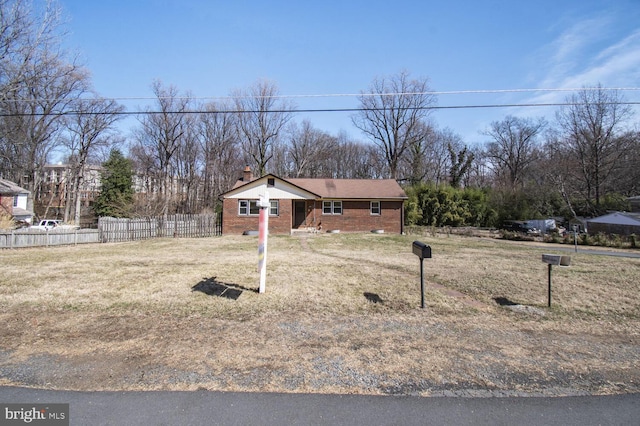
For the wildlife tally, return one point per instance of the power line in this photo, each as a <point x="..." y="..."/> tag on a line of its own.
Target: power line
<point x="364" y="94"/>
<point x="345" y="95"/>
<point x="310" y="110"/>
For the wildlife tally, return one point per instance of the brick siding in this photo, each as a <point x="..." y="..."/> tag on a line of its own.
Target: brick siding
<point x="6" y="204"/>
<point x="233" y="223"/>
<point x="356" y="217"/>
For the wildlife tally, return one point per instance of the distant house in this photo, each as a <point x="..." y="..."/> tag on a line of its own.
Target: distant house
<point x="56" y="182"/>
<point x="315" y="205"/>
<point x="620" y="223"/>
<point x="14" y="201"/>
<point x="635" y="203"/>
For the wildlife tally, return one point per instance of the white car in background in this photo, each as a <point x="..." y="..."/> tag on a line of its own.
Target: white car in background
<point x="47" y="225"/>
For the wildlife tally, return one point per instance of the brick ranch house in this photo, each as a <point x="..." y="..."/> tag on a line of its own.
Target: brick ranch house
<point x="322" y="205"/>
<point x="14" y="201"/>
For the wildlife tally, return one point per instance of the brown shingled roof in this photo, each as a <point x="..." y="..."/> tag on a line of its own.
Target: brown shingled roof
<point x="352" y="188"/>
<point x="9" y="188"/>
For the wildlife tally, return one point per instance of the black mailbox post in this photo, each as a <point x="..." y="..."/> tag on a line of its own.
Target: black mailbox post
<point x="423" y="251"/>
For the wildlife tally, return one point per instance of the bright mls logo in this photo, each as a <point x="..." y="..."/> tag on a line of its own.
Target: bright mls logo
<point x="35" y="414"/>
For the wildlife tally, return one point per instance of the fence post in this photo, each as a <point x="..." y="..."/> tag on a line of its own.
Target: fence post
<point x="175" y="226"/>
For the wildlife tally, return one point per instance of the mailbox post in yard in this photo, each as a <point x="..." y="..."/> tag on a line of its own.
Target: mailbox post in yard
<point x="554" y="259"/>
<point x="423" y="251"/>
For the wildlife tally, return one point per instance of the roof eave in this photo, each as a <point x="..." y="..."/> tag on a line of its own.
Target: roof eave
<point x="270" y="175"/>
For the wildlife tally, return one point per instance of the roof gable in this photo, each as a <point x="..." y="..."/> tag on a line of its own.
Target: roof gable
<point x="281" y="189"/>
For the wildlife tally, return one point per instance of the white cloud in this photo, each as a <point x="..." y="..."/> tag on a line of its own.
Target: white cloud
<point x="617" y="65"/>
<point x="589" y="53"/>
<point x="566" y="48"/>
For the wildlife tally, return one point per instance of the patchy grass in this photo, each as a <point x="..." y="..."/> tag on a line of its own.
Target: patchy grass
<point x="341" y="314"/>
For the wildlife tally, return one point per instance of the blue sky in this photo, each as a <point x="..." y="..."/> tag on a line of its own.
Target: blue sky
<point x="210" y="48"/>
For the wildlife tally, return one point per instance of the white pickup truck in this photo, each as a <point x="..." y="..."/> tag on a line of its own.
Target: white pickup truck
<point x="47" y="224"/>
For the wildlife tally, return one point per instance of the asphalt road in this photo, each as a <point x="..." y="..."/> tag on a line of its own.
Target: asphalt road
<point x="230" y="408"/>
<point x="603" y="252"/>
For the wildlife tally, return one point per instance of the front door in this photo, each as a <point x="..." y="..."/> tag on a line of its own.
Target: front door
<point x="299" y="213"/>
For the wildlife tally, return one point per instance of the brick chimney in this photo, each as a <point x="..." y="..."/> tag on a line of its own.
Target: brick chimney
<point x="246" y="174"/>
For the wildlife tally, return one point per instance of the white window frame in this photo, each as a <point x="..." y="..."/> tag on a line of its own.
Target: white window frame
<point x="250" y="208"/>
<point x="274" y="209"/>
<point x="335" y="207"/>
<point x="378" y="208"/>
<point x="243" y="207"/>
<point x="332" y="207"/>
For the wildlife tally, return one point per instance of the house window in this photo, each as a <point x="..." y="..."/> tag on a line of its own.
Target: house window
<point x="15" y="201"/>
<point x="332" y="207"/>
<point x="274" y="210"/>
<point x="243" y="207"/>
<point x="250" y="208"/>
<point x="253" y="207"/>
<point x="337" y="207"/>
<point x="271" y="182"/>
<point x="375" y="207"/>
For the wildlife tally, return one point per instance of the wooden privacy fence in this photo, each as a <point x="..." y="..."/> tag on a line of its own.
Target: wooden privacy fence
<point x="116" y="230"/>
<point x="178" y="225"/>
<point x="38" y="238"/>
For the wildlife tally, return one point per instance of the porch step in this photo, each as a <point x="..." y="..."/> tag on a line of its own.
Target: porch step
<point x="304" y="230"/>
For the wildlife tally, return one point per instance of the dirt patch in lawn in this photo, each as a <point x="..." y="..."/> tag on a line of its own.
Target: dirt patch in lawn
<point x="341" y="315"/>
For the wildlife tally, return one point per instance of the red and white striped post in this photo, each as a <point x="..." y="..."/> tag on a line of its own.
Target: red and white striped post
<point x="263" y="232"/>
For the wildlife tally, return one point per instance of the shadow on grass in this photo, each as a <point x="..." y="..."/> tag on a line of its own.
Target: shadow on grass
<point x="212" y="287"/>
<point x="373" y="297"/>
<point x="503" y="301"/>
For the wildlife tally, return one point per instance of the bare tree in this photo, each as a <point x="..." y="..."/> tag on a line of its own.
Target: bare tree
<point x="148" y="201"/>
<point x="592" y="130"/>
<point x="308" y="149"/>
<point x="89" y="129"/>
<point x="188" y="165"/>
<point x="280" y="164"/>
<point x="261" y="118"/>
<point x="479" y="173"/>
<point x="23" y="38"/>
<point x="553" y="154"/>
<point x="356" y="160"/>
<point x="627" y="173"/>
<point x="38" y="84"/>
<point x="438" y="160"/>
<point x="393" y="115"/>
<point x="160" y="138"/>
<point x="219" y="144"/>
<point x="513" y="147"/>
<point x="415" y="165"/>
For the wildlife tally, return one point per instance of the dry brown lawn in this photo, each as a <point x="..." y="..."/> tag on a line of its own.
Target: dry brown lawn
<point x="341" y="314"/>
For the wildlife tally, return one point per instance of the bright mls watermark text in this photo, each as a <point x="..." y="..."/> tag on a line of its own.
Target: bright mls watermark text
<point x="34" y="414"/>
